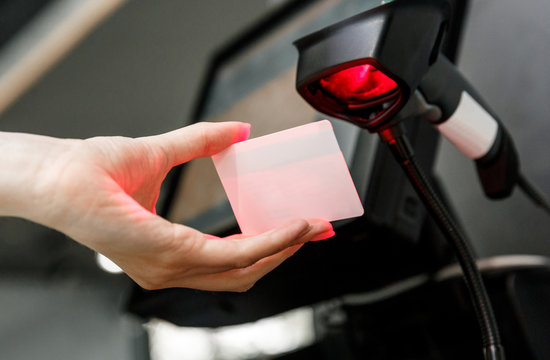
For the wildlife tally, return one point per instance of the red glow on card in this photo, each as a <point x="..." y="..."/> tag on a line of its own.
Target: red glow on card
<point x="358" y="84"/>
<point x="299" y="173"/>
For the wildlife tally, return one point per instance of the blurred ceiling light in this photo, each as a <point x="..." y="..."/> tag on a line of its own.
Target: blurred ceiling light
<point x="271" y="336"/>
<point x="107" y="265"/>
<point x="45" y="40"/>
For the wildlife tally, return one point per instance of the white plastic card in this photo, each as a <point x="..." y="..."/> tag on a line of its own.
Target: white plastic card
<point x="295" y="173"/>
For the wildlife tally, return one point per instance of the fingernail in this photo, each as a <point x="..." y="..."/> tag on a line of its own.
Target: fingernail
<point x="323" y="236"/>
<point x="244" y="132"/>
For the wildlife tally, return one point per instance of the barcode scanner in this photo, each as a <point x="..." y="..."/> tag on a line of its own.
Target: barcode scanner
<point x="383" y="66"/>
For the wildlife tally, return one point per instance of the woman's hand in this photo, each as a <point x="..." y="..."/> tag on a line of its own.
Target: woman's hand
<point x="102" y="192"/>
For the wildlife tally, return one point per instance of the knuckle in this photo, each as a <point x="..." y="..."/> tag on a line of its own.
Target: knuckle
<point x="203" y="143"/>
<point x="155" y="279"/>
<point x="184" y="242"/>
<point x="244" y="287"/>
<point x="243" y="261"/>
<point x="147" y="284"/>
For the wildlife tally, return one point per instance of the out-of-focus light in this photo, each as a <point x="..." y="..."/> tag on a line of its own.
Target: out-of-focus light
<point x="267" y="337"/>
<point x="107" y="265"/>
<point x="170" y="342"/>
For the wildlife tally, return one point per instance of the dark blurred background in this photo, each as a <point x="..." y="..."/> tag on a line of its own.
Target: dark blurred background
<point x="138" y="72"/>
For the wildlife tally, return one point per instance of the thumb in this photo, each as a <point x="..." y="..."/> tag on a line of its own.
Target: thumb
<point x="200" y="139"/>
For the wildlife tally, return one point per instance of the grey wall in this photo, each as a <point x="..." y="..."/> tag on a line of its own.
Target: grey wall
<point x="504" y="54"/>
<point x="136" y="74"/>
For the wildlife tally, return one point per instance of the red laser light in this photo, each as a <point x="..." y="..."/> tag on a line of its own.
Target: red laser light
<point x="358" y="84"/>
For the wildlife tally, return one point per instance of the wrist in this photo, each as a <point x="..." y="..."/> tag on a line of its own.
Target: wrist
<point x="26" y="176"/>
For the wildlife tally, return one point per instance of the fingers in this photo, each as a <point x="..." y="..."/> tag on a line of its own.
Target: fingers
<point x="200" y="139"/>
<point x="240" y="280"/>
<point x="243" y="252"/>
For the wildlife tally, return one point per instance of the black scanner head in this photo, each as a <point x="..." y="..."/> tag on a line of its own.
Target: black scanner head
<point x="364" y="69"/>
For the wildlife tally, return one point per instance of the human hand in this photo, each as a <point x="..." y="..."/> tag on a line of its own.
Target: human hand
<point x="102" y="193"/>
